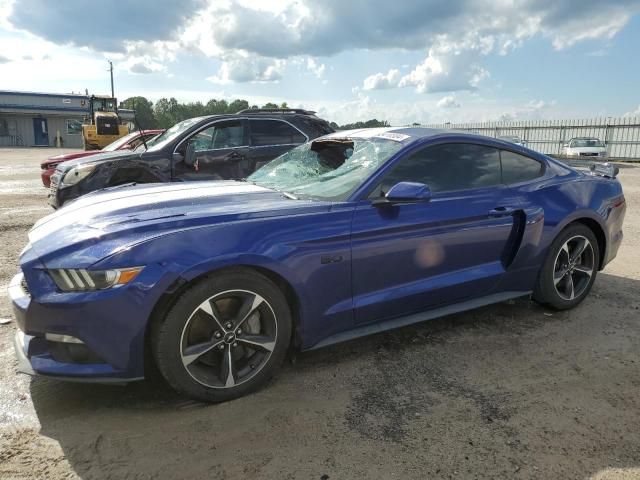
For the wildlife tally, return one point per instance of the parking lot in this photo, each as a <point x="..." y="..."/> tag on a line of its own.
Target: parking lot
<point x="511" y="390"/>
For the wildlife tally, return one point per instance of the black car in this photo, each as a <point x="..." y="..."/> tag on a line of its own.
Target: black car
<point x="215" y="147"/>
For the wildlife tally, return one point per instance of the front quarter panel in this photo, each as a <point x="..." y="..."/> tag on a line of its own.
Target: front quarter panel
<point x="145" y="168"/>
<point x="294" y="247"/>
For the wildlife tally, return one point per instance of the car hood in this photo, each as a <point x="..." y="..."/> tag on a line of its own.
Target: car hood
<point x="64" y="157"/>
<point x="97" y="158"/>
<point x="120" y="216"/>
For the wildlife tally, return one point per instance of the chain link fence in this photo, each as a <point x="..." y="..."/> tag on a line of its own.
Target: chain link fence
<point x="621" y="135"/>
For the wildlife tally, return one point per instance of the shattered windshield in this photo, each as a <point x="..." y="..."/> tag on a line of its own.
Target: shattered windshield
<point x="326" y="169"/>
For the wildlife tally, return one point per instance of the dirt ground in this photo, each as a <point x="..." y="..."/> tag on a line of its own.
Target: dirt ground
<point x="507" y="391"/>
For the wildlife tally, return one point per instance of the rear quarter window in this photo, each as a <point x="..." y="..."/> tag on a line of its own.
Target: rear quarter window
<point x="518" y="168"/>
<point x="274" y="132"/>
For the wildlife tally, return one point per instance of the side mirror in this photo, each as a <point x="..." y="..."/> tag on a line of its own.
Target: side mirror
<point x="405" y="192"/>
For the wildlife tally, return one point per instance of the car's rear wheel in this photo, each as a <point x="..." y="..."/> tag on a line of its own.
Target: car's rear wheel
<point x="570" y="268"/>
<point x="225" y="337"/>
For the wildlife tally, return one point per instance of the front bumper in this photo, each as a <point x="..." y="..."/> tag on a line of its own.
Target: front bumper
<point x="45" y="175"/>
<point x="54" y="191"/>
<point x="21" y="346"/>
<point x="110" y="326"/>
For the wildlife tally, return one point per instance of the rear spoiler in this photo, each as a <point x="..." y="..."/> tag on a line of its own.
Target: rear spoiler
<point x="604" y="170"/>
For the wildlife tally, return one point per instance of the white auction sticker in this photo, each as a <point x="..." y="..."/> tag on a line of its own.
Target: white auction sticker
<point x="398" y="137"/>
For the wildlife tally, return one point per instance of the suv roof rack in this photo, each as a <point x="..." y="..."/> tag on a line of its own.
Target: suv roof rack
<point x="301" y="111"/>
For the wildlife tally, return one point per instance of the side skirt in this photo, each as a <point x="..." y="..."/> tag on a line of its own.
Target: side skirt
<point x="398" y="322"/>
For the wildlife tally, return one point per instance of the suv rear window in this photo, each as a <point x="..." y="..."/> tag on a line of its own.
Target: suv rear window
<point x="274" y="132"/>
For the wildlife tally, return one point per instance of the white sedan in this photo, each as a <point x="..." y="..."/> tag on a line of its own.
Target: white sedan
<point x="585" y="147"/>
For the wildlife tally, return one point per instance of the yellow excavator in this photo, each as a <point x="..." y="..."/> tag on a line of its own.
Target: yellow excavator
<point x="103" y="125"/>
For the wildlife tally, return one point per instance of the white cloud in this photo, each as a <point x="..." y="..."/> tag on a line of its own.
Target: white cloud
<point x="448" y="68"/>
<point x="381" y="81"/>
<point x="316" y="68"/>
<point x="634" y="113"/>
<point x="448" y="102"/>
<point x="144" y="66"/>
<point x="246" y="35"/>
<point x="242" y="68"/>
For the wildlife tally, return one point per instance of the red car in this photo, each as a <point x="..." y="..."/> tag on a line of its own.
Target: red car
<point x="128" y="142"/>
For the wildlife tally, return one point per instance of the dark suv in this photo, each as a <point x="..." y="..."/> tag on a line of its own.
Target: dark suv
<point x="204" y="148"/>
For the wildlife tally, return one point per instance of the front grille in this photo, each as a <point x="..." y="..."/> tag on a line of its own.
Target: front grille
<point x="588" y="154"/>
<point x="107" y="126"/>
<point x="25" y="287"/>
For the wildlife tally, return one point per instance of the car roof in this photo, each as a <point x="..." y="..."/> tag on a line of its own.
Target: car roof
<point x="403" y="134"/>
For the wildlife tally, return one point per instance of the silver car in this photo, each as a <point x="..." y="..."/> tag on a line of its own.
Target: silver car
<point x="584" y="147"/>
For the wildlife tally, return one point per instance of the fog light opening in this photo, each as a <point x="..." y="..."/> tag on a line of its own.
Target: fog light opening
<point x="55" y="337"/>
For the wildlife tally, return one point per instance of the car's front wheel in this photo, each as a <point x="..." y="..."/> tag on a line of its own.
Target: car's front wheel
<point x="570" y="268"/>
<point x="224" y="337"/>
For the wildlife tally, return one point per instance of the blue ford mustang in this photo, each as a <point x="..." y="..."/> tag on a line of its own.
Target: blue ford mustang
<point x="353" y="233"/>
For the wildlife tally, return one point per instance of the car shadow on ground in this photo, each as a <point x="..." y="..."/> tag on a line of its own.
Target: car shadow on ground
<point x="413" y="400"/>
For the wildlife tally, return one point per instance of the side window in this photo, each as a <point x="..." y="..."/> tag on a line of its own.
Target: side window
<point x="448" y="167"/>
<point x="221" y="135"/>
<point x="518" y="168"/>
<point x="133" y="144"/>
<point x="274" y="132"/>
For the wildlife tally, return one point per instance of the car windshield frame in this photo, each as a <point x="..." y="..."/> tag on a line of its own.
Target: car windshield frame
<point x="171" y="134"/>
<point x="327" y="169"/>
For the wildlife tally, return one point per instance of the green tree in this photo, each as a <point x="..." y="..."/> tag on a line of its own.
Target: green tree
<point x="271" y="105"/>
<point x="216" y="107"/>
<point x="144" y="111"/>
<point x="166" y="112"/>
<point x="368" y="124"/>
<point x="237" y="105"/>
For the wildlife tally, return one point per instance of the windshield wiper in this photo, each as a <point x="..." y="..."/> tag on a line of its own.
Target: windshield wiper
<point x="289" y="195"/>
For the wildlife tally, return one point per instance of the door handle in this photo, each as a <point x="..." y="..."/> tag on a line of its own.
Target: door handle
<point x="501" y="212"/>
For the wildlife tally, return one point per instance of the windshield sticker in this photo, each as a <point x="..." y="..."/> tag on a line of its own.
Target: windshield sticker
<point x="398" y="137"/>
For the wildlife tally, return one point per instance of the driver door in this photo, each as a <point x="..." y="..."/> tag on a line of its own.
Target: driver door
<point x="216" y="152"/>
<point x="411" y="257"/>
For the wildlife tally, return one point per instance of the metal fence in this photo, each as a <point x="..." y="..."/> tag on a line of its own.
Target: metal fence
<point x="621" y="135"/>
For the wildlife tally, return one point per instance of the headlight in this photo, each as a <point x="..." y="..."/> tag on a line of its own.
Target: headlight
<point x="81" y="280"/>
<point x="603" y="154"/>
<point x="76" y="174"/>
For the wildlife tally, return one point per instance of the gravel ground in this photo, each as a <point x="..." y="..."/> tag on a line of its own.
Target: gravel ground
<point x="507" y="391"/>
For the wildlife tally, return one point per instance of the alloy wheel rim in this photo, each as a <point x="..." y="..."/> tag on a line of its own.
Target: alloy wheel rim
<point x="228" y="338"/>
<point x="574" y="266"/>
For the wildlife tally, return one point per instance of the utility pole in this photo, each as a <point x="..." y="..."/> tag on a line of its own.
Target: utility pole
<point x="111" y="71"/>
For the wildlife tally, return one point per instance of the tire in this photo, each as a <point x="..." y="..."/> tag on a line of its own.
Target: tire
<point x="237" y="317"/>
<point x="566" y="277"/>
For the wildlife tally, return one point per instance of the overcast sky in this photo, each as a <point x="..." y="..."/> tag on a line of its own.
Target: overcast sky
<point x="400" y="60"/>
